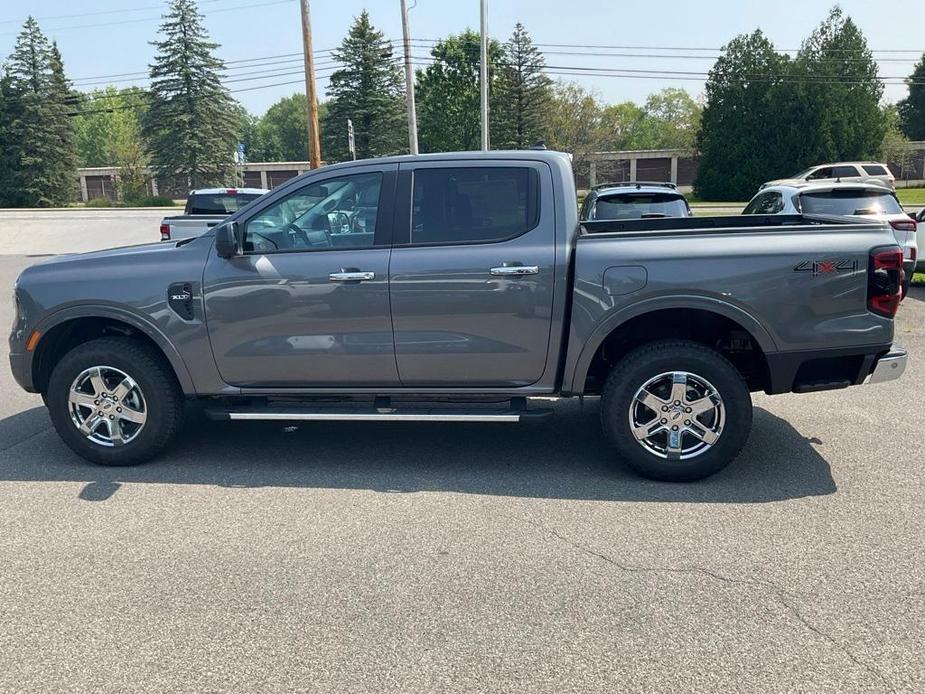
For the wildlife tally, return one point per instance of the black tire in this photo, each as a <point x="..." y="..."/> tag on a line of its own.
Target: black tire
<point x="153" y="375"/>
<point x="647" y="362"/>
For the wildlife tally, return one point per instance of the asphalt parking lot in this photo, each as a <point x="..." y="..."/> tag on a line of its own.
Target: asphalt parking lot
<point x="348" y="557"/>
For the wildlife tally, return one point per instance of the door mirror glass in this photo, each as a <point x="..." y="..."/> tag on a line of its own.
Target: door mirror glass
<point x="226" y="239"/>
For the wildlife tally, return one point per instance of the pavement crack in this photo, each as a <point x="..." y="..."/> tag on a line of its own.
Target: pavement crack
<point x="779" y="593"/>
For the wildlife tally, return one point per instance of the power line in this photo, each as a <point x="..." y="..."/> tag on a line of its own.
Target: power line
<point x="100" y="12"/>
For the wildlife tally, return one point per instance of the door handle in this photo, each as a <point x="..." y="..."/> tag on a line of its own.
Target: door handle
<point x="514" y="270"/>
<point x="352" y="276"/>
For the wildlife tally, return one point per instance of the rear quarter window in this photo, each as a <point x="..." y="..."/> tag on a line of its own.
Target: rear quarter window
<point x="875" y="169"/>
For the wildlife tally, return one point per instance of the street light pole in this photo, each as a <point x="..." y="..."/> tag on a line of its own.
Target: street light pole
<point x="483" y="73"/>
<point x="409" y="81"/>
<point x="314" y="139"/>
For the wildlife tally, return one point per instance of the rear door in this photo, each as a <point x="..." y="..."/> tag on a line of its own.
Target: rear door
<point x="472" y="272"/>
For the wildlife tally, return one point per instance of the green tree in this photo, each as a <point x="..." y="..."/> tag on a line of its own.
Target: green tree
<point x="895" y="150"/>
<point x="838" y="95"/>
<point x="575" y="123"/>
<point x="107" y="120"/>
<point x="448" y="97"/>
<point x="523" y="94"/>
<point x="368" y="90"/>
<point x="191" y="125"/>
<point x="625" y="125"/>
<point x="6" y="142"/>
<point x="40" y="146"/>
<point x="669" y="119"/>
<point x="281" y="133"/>
<point x="737" y="138"/>
<point x="912" y="108"/>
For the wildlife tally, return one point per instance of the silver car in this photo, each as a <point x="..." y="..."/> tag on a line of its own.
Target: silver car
<point x="842" y="172"/>
<point x="634" y="200"/>
<point x="852" y="199"/>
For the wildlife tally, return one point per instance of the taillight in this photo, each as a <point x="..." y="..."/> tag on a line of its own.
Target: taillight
<point x="231" y="191"/>
<point x="885" y="280"/>
<point x="165" y="232"/>
<point x="903" y="225"/>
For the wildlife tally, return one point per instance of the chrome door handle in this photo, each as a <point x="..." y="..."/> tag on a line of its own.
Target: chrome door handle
<point x="351" y="276"/>
<point x="515" y="270"/>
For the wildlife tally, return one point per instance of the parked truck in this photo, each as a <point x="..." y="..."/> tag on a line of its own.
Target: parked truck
<point x="457" y="288"/>
<point x="206" y="208"/>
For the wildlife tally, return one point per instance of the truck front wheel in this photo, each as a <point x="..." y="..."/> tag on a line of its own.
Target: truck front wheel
<point x="114" y="401"/>
<point x="676" y="410"/>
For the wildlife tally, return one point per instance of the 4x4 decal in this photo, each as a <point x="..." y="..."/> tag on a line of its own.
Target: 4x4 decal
<point x="827" y="267"/>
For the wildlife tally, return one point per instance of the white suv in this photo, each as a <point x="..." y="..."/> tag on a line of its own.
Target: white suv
<point x="852" y="199"/>
<point x="845" y="172"/>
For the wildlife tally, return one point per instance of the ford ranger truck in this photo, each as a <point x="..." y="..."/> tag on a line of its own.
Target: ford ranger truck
<point x="432" y="288"/>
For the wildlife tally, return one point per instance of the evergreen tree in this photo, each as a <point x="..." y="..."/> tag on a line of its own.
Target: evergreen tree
<point x="40" y="146"/>
<point x="738" y="142"/>
<point x="838" y="93"/>
<point x="191" y="124"/>
<point x="912" y="108"/>
<point x="6" y="142"/>
<point x="448" y="93"/>
<point x="369" y="90"/>
<point x="523" y="94"/>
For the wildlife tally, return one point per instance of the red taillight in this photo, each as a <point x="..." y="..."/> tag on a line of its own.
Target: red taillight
<point x="232" y="191"/>
<point x="885" y="280"/>
<point x="165" y="232"/>
<point x="903" y="225"/>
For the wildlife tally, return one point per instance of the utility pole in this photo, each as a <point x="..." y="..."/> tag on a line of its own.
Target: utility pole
<point x="314" y="140"/>
<point x="483" y="74"/>
<point x="409" y="81"/>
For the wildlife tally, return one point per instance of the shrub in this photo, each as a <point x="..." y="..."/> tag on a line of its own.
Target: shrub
<point x="103" y="202"/>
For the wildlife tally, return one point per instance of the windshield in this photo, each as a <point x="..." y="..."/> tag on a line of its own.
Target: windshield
<point x="639" y="206"/>
<point x="850" y="202"/>
<point x="219" y="203"/>
<point x="804" y="173"/>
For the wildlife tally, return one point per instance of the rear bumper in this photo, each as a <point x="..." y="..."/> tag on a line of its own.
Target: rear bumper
<point x="890" y="366"/>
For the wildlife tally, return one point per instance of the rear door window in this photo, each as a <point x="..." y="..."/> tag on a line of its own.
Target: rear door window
<point x="771" y="202"/>
<point x="820" y="174"/>
<point x="845" y="172"/>
<point x="850" y="202"/>
<point x="639" y="206"/>
<point x="473" y="204"/>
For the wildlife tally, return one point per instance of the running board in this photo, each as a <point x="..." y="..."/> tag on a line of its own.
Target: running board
<point x="304" y="414"/>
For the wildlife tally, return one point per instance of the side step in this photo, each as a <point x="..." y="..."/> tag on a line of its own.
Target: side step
<point x="373" y="414"/>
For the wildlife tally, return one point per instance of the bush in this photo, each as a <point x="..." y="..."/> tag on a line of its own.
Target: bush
<point x="103" y="202"/>
<point x="151" y="201"/>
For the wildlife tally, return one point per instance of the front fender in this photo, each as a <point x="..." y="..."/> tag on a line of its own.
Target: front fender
<point x="140" y="323"/>
<point x="579" y="359"/>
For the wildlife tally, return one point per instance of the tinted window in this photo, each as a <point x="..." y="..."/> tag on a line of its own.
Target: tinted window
<point x="639" y="206"/>
<point x="221" y="203"/>
<point x="771" y="202"/>
<point x="850" y="202"/>
<point x="334" y="213"/>
<point x="473" y="204"/>
<point x="845" y="171"/>
<point x="875" y="169"/>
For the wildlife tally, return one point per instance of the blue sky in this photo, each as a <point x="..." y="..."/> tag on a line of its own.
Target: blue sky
<point x="110" y="37"/>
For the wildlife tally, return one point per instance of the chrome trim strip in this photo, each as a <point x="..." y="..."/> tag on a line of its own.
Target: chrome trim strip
<point x="372" y="417"/>
<point x="890" y="366"/>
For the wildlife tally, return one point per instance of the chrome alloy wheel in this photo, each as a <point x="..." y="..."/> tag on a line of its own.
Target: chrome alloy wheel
<point x="107" y="406"/>
<point x="677" y="415"/>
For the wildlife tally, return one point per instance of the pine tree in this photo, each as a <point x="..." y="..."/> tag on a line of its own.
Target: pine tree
<point x="369" y="90"/>
<point x="523" y="94"/>
<point x="190" y="126"/>
<point x="41" y="148"/>
<point x="912" y="108"/>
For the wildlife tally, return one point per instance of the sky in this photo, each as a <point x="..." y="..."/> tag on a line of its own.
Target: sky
<point x="107" y="41"/>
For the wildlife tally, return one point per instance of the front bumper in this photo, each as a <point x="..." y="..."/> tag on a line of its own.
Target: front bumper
<point x="21" y="366"/>
<point x="890" y="366"/>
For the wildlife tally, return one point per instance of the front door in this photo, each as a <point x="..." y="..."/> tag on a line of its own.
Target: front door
<point x="307" y="303"/>
<point x="472" y="273"/>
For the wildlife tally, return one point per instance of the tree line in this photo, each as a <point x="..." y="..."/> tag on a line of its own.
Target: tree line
<point x="763" y="114"/>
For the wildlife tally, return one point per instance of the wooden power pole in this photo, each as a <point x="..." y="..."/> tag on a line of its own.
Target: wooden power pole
<point x="314" y="139"/>
<point x="409" y="82"/>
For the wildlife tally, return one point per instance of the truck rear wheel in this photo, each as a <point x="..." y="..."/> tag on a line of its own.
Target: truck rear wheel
<point x="114" y="401"/>
<point x="676" y="410"/>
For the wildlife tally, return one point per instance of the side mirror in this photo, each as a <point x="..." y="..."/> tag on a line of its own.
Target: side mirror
<point x="921" y="217"/>
<point x="227" y="242"/>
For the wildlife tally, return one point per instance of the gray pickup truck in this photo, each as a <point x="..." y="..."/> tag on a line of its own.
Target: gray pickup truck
<point x="456" y="287"/>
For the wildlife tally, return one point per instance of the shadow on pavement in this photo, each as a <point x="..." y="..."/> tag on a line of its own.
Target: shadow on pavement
<point x="565" y="457"/>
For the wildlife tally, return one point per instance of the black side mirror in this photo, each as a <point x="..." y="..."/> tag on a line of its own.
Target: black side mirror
<point x="227" y="241"/>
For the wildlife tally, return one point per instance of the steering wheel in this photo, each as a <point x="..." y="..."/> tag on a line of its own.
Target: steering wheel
<point x="339" y="223"/>
<point x="292" y="229"/>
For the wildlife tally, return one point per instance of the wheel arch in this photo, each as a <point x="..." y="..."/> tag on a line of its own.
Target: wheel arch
<point x="683" y="317"/>
<point x="67" y="328"/>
